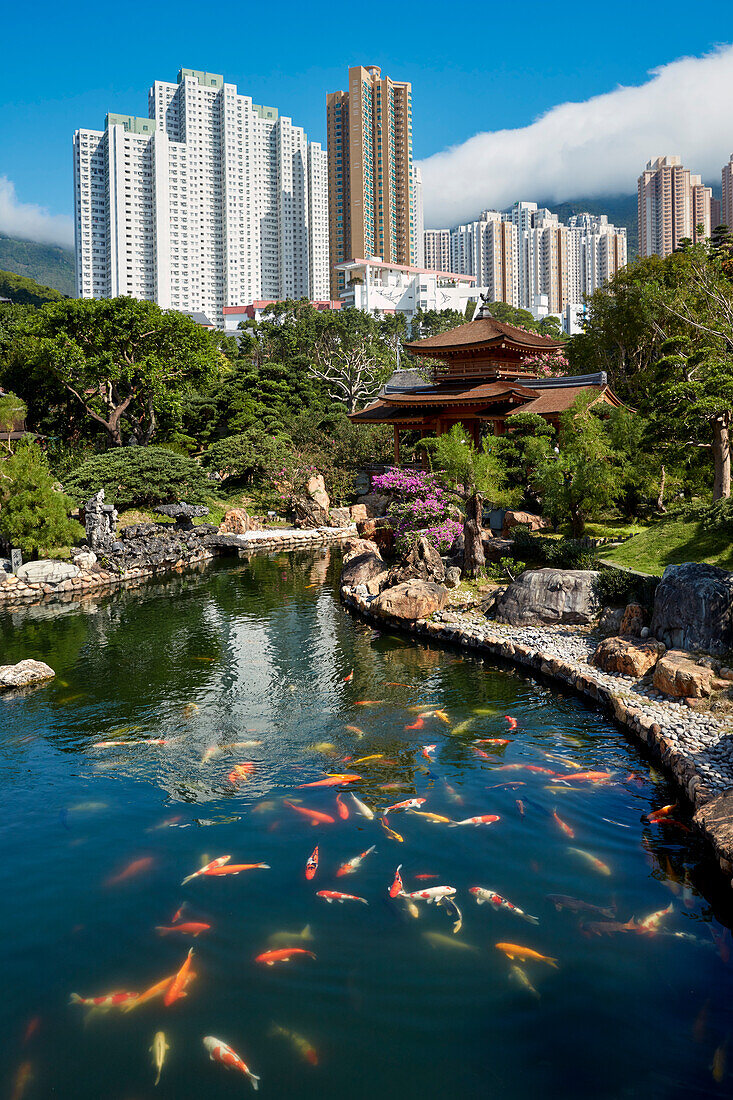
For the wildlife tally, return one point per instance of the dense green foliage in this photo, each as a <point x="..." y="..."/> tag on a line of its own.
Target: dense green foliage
<point x="33" y="515"/>
<point x="25" y="292"/>
<point x="47" y="264"/>
<point x="139" y="476"/>
<point x="559" y="553"/>
<point x="616" y="588"/>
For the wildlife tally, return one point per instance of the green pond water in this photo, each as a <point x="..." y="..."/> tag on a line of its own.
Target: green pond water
<point x="97" y="840"/>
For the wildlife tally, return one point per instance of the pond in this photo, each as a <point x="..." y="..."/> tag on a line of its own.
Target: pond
<point x="119" y="780"/>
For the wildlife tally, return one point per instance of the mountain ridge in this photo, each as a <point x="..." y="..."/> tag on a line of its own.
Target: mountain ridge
<point x="48" y="264"/>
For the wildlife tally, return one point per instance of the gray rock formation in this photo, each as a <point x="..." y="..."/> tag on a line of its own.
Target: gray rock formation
<point x="610" y="621"/>
<point x="422" y="563"/>
<point x="184" y="514"/>
<point x="46" y="572"/>
<point x="100" y="520"/>
<point x="549" y="596"/>
<point x="361" y="569"/>
<point x="24" y="674"/>
<point x="307" y="513"/>
<point x="693" y="608"/>
<point x="412" y="600"/>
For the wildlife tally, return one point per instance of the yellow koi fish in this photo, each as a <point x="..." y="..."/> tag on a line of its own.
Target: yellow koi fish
<point x="593" y="861"/>
<point x="516" y="951"/>
<point x="390" y="832"/>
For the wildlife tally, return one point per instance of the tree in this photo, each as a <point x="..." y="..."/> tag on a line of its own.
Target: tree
<point x="122" y="360"/>
<point x="33" y="515"/>
<point x="350" y="374"/>
<point x="471" y="473"/>
<point x="139" y="476"/>
<point x="244" y="456"/>
<point x="12" y="412"/>
<point x="26" y="292"/>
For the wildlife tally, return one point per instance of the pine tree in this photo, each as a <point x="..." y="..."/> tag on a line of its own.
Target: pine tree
<point x="33" y="515"/>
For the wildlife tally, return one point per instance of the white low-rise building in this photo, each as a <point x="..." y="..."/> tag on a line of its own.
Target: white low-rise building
<point x="383" y="289"/>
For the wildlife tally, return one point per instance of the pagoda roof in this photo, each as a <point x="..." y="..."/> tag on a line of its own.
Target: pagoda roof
<point x="454" y="393"/>
<point x="558" y="400"/>
<point x="485" y="331"/>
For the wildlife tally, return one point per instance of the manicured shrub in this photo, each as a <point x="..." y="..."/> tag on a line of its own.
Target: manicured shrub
<point x="139" y="476"/>
<point x="33" y="515"/>
<point x="616" y="588"/>
<point x="247" y="455"/>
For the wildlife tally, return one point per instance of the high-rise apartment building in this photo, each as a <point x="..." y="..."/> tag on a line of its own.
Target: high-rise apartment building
<point x="370" y="172"/>
<point x="673" y="205"/>
<point x="418" y="216"/>
<point x="437" y="249"/>
<point x="211" y="201"/>
<point x="726" y="204"/>
<point x="596" y="251"/>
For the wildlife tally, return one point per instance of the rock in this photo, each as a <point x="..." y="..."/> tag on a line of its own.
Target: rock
<point x="353" y="547"/>
<point x="182" y="513"/>
<point x="308" y="513"/>
<point x="84" y="559"/>
<point x="549" y="596"/>
<point x="6" y="566"/>
<point x="47" y="572"/>
<point x="341" y="517"/>
<point x="238" y="521"/>
<point x="676" y="674"/>
<point x="376" y="584"/>
<point x="315" y="488"/>
<point x="522" y="519"/>
<point x="362" y="483"/>
<point x="693" y="608"/>
<point x="25" y="673"/>
<point x="100" y="521"/>
<point x="361" y="569"/>
<point x="422" y="563"/>
<point x="358" y="512"/>
<point x="452" y="576"/>
<point x="632" y="621"/>
<point x="376" y="504"/>
<point x="379" y="531"/>
<point x="414" y="599"/>
<point x="610" y="621"/>
<point x="644" y="632"/>
<point x="627" y="656"/>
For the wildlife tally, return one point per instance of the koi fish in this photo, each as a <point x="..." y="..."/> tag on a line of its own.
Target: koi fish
<point x="483" y="819"/>
<point x="349" y="678"/>
<point x="519" y="976"/>
<point x="177" y="988"/>
<point x="480" y="752"/>
<point x="283" y="939"/>
<point x="482" y="894"/>
<point x="438" y="819"/>
<point x="432" y="893"/>
<point x="652" y="922"/>
<point x="159" y="1050"/>
<point x="364" y="759"/>
<point x="343" y="810"/>
<point x="407" y="804"/>
<point x="156" y="990"/>
<point x="591" y="777"/>
<point x="418" y="724"/>
<point x="353" y="864"/>
<point x="423" y="878"/>
<point x="109" y="1000"/>
<point x="463" y="727"/>
<point x="312" y="865"/>
<point x="355" y="729"/>
<point x="361" y="808"/>
<point x="664" y="811"/>
<point x="502" y="742"/>
<point x="390" y="832"/>
<point x="336" y="895"/>
<point x="241" y="772"/>
<point x="520" y="806"/>
<point x="31" y="1028"/>
<point x="191" y="928"/>
<point x="219" y="1051"/>
<point x="125" y="744"/>
<point x="236" y="868"/>
<point x="451" y="908"/>
<point x="575" y="905"/>
<point x="442" y="716"/>
<point x="593" y="861"/>
<point x="137" y="867"/>
<point x="674" y="824"/>
<point x="316" y="818"/>
<point x="284" y="954"/>
<point x="453" y="794"/>
<point x="396" y="887"/>
<point x="562" y="825"/>
<point x="408" y="905"/>
<point x="206" y="868"/>
<point x="332" y="781"/>
<point x="306" y="1050"/>
<point x="439" y="939"/>
<point x="610" y="927"/>
<point x="22" y="1079"/>
<point x="515" y="951"/>
<point x="427" y="751"/>
<point x="369" y="703"/>
<point x="512" y="721"/>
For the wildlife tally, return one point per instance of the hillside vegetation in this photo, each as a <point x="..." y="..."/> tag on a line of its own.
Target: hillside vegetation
<point x="45" y="263"/>
<point x="672" y="543"/>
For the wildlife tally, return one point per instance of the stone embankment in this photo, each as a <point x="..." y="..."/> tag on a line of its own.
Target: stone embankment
<point x="696" y="747"/>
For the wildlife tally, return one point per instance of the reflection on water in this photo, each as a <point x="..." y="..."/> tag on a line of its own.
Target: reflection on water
<point x="184" y="721"/>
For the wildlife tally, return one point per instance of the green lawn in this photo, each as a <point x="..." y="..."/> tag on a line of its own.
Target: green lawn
<point x="672" y="543"/>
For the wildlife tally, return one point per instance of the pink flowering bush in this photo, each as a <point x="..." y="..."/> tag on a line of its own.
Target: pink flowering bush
<point x="546" y="363"/>
<point x="420" y="507"/>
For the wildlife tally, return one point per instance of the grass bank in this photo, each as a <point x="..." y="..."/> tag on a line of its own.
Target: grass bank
<point x="671" y="543"/>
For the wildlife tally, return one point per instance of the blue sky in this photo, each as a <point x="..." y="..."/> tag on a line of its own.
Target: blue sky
<point x="473" y="67"/>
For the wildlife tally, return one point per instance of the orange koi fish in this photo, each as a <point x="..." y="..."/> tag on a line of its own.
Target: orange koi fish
<point x="515" y="951"/>
<point x="562" y="825"/>
<point x="177" y="988"/>
<point x="353" y="864"/>
<point x="356" y="730"/>
<point x="203" y="871"/>
<point x="109" y="1000"/>
<point x="512" y="721"/>
<point x="442" y="716"/>
<point x="190" y="928"/>
<point x="349" y="678"/>
<point x="332" y="781"/>
<point x="480" y="752"/>
<point x="520" y="806"/>
<point x="416" y="725"/>
<point x="663" y="811"/>
<point x="241" y="772"/>
<point x="316" y="818"/>
<point x="369" y="703"/>
<point x="396" y="887"/>
<point x="31" y="1028"/>
<point x="343" y="809"/>
<point x="312" y="864"/>
<point x="137" y="867"/>
<point x="593" y="861"/>
<point x="219" y="1051"/>
<point x="156" y="990"/>
<point x="283" y="954"/>
<point x="427" y="751"/>
<point x="406" y="804"/>
<point x="591" y="777"/>
<point x="336" y="895"/>
<point x="674" y="824"/>
<point x="236" y="868"/>
<point x="501" y="741"/>
<point x="22" y="1079"/>
<point x="424" y="878"/>
<point x="482" y="819"/>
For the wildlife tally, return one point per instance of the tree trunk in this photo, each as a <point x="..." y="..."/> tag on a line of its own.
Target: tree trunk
<point x="660" y="499"/>
<point x="721" y="456"/>
<point x="577" y="521"/>
<point x="474" y="561"/>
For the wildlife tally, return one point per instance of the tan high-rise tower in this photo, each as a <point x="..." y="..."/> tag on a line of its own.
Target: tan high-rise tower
<point x="672" y="205"/>
<point x="370" y="181"/>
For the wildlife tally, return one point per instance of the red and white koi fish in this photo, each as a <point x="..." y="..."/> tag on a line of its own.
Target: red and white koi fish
<point x="432" y="893"/>
<point x="652" y="922"/>
<point x="482" y="894"/>
<point x="282" y="954"/>
<point x="397" y="887"/>
<point x="343" y="809"/>
<point x="177" y="988"/>
<point x="336" y="895"/>
<point x="236" y="868"/>
<point x="124" y="744"/>
<point x="407" y="804"/>
<point x="361" y="807"/>
<point x="312" y="865"/>
<point x="453" y="794"/>
<point x="352" y="865"/>
<point x="219" y="1051"/>
<point x="482" y="819"/>
<point x="332" y="781"/>
<point x="205" y="870"/>
<point x="427" y="751"/>
<point x="190" y="928"/>
<point x="563" y="825"/>
<point x="241" y="772"/>
<point x="349" y="678"/>
<point x="512" y="721"/>
<point x="316" y="818"/>
<point x="110" y="1000"/>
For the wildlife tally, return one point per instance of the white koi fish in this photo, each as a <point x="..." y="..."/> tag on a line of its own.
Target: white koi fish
<point x="432" y="893"/>
<point x="483" y="894"/>
<point x="219" y="1051"/>
<point x="352" y="865"/>
<point x="482" y="819"/>
<point x="362" y="808"/>
<point x="407" y="804"/>
<point x="206" y="868"/>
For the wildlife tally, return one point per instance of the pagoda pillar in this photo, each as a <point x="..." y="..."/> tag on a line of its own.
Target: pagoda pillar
<point x="396" y="445"/>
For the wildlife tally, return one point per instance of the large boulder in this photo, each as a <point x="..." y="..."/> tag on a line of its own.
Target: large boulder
<point x="627" y="656"/>
<point x="422" y="563"/>
<point x="610" y="621"/>
<point x="549" y="596"/>
<point x="24" y="674"/>
<point x="380" y="531"/>
<point x="315" y="490"/>
<point x="376" y="504"/>
<point x="632" y="620"/>
<point x="415" y="599"/>
<point x="354" y="546"/>
<point x="676" y="674"/>
<point x="522" y="519"/>
<point x="47" y="572"/>
<point x="693" y="608"/>
<point x="308" y="513"/>
<point x="361" y="569"/>
<point x="238" y="521"/>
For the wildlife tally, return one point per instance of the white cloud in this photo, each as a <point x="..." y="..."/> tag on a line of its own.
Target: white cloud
<point x="593" y="148"/>
<point x="29" y="222"/>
